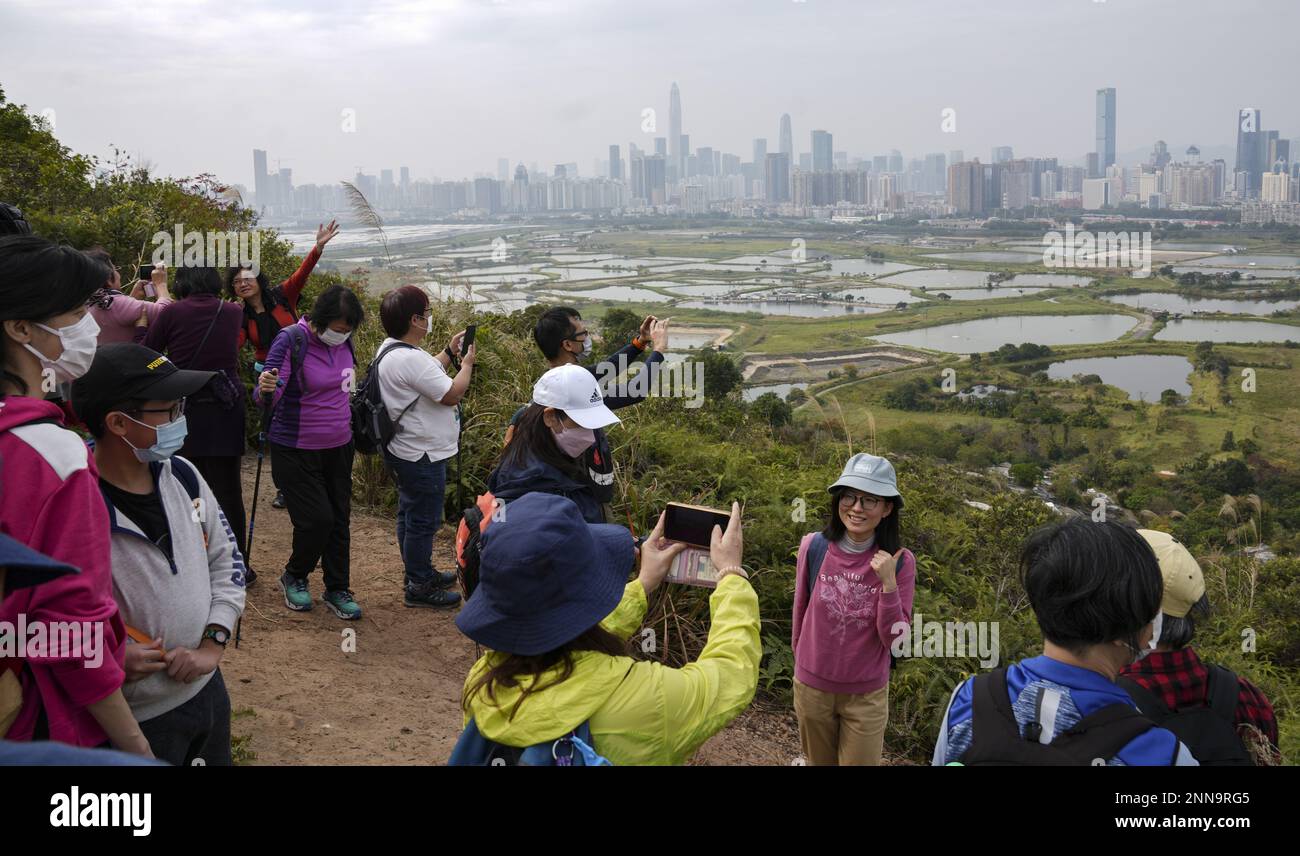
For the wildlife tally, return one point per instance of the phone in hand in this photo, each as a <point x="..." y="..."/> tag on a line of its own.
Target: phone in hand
<point x="693" y="525"/>
<point x="470" y="330"/>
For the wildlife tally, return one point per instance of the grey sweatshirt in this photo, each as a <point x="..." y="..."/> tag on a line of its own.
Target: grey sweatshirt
<point x="176" y="600"/>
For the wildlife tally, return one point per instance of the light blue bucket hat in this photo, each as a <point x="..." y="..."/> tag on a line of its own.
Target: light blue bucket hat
<point x="870" y="474"/>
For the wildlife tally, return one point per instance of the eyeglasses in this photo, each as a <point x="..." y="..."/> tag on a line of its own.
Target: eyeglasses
<point x="176" y="411"/>
<point x="578" y="337"/>
<point x="868" y="503"/>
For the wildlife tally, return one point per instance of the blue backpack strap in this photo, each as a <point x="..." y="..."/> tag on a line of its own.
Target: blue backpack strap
<point x="475" y="750"/>
<point x="184" y="472"/>
<point x="816" y="554"/>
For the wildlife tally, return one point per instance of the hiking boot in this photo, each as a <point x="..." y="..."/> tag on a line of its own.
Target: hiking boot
<point x="342" y="604"/>
<point x="296" y="595"/>
<point x="430" y="597"/>
<point x="278" y="502"/>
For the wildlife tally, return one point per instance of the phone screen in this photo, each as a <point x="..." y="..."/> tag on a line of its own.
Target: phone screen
<point x="691" y="524"/>
<point x="470" y="330"/>
<point x="146" y="272"/>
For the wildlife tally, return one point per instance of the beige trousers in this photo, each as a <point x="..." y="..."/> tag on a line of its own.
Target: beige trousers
<point x="841" y="729"/>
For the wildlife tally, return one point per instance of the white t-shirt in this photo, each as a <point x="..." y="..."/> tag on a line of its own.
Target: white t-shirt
<point x="411" y="374"/>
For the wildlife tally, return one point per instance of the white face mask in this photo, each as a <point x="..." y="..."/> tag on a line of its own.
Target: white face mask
<point x="1156" y="627"/>
<point x="333" y="337"/>
<point x="79" y="343"/>
<point x="428" y="325"/>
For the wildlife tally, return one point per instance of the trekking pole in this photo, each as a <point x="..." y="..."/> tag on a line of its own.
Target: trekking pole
<point x="257" y="485"/>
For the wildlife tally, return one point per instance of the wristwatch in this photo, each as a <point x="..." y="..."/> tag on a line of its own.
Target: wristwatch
<point x="216" y="634"/>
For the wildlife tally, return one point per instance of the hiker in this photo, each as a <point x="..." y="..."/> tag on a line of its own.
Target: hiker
<point x="178" y="575"/>
<point x="12" y="221"/>
<point x="269" y="309"/>
<point x="854" y="585"/>
<point x="421" y="400"/>
<point x="1095" y="588"/>
<point x="306" y="385"/>
<point x="50" y="492"/>
<point x="555" y="609"/>
<point x="117" y="313"/>
<point x="199" y="332"/>
<point x="1222" y="718"/>
<point x="22" y="568"/>
<point x="552" y="438"/>
<point x="564" y="340"/>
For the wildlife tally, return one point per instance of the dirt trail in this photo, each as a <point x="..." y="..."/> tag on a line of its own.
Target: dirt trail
<point x="395" y="699"/>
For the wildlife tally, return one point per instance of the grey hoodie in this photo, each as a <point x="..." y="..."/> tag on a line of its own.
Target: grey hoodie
<point x="176" y="600"/>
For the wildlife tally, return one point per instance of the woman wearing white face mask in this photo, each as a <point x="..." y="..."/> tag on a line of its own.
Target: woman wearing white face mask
<point x="421" y="399"/>
<point x="550" y="438"/>
<point x="50" y="501"/>
<point x="306" y="385"/>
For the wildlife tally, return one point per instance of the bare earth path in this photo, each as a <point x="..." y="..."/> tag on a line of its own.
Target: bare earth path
<point x="394" y="699"/>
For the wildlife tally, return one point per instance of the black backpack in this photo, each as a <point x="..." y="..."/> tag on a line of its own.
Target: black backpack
<point x="372" y="427"/>
<point x="998" y="741"/>
<point x="1208" y="731"/>
<point x="816" y="555"/>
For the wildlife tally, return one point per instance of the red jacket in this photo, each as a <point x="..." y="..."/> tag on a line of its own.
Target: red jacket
<point x="283" y="306"/>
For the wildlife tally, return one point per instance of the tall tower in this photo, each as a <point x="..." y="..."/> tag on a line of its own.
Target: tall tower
<point x="787" y="139"/>
<point x="822" y="151"/>
<point x="676" y="161"/>
<point x="1105" y="128"/>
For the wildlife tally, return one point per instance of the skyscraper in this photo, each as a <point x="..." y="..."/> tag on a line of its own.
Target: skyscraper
<point x="966" y="187"/>
<point x="760" y="151"/>
<point x="1002" y="154"/>
<point x="787" y="139"/>
<point x="1249" y="132"/>
<point x="823" y="152"/>
<point x="261" y="187"/>
<point x="1105" y="128"/>
<point x="615" y="163"/>
<point x="776" y="181"/>
<point x="676" y="157"/>
<point x="503" y="169"/>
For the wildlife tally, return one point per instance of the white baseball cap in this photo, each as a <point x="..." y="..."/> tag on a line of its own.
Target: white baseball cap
<point x="574" y="390"/>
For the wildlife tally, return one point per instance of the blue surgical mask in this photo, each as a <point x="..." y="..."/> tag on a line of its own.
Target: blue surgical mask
<point x="171" y="436"/>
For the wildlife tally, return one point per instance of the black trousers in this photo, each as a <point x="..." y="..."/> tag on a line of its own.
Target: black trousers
<point x="222" y="473"/>
<point x="197" y="732"/>
<point x="317" y="486"/>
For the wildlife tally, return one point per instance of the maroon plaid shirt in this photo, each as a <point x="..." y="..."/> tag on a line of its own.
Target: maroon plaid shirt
<point x="1180" y="679"/>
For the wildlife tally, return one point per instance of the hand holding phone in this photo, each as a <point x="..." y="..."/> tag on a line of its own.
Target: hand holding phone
<point x="694" y="526"/>
<point x="470" y="331"/>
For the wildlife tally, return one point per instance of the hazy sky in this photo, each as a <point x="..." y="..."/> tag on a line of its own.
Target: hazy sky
<point x="448" y="86"/>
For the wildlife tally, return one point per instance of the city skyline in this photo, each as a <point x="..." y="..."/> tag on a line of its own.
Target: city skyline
<point x="450" y="87"/>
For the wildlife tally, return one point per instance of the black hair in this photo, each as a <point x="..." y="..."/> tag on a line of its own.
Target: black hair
<point x="337" y="303"/>
<point x="263" y="284"/>
<point x="553" y="328"/>
<point x="1090" y="582"/>
<point x="103" y="297"/>
<point x="399" y="306"/>
<point x="94" y="419"/>
<point x="534" y="440"/>
<point x="197" y="280"/>
<point x="1178" y="632"/>
<point x="38" y="280"/>
<point x="887" y="531"/>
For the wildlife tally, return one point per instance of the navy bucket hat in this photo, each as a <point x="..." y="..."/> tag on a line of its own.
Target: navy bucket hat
<point x="546" y="576"/>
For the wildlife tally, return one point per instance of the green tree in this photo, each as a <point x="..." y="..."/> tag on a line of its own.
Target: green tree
<point x="721" y="375"/>
<point x="1229" y="443"/>
<point x="769" y="408"/>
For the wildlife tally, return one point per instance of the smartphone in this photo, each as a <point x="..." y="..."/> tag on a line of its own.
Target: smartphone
<point x="693" y="525"/>
<point x="149" y="290"/>
<point x="470" y="330"/>
<point x="146" y="272"/>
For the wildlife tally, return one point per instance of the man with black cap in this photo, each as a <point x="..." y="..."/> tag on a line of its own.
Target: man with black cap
<point x="178" y="575"/>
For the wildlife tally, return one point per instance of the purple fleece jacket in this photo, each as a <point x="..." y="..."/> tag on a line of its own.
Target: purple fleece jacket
<point x="311" y="405"/>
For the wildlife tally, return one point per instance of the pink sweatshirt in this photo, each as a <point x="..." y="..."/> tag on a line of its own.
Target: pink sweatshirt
<point x="50" y="501"/>
<point x="841" y="641"/>
<point x="117" y="322"/>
